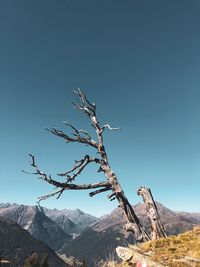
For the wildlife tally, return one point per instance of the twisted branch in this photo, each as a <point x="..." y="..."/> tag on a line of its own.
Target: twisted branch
<point x="84" y="105"/>
<point x="63" y="186"/>
<point x="78" y="167"/>
<point x="78" y="138"/>
<point x="91" y="194"/>
<point x="110" y="128"/>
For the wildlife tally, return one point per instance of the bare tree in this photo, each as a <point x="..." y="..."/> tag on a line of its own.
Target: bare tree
<point x="110" y="184"/>
<point x="157" y="229"/>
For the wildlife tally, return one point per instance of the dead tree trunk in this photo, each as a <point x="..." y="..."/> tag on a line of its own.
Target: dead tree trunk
<point x="112" y="184"/>
<point x="157" y="229"/>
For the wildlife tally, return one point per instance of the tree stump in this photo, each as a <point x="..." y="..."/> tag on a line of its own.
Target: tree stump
<point x="157" y="229"/>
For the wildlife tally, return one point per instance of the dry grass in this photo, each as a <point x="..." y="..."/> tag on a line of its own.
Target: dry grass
<point x="175" y="251"/>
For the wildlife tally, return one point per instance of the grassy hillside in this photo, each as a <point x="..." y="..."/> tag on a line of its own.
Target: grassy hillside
<point x="175" y="251"/>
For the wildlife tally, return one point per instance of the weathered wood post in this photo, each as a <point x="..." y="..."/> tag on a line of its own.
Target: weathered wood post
<point x="157" y="229"/>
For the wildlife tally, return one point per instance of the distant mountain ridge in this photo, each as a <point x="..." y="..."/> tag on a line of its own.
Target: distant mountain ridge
<point x="75" y="220"/>
<point x="175" y="222"/>
<point x="54" y="227"/>
<point x="16" y="244"/>
<point x="107" y="233"/>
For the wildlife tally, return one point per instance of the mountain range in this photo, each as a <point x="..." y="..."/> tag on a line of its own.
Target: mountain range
<point x="55" y="228"/>
<point x="101" y="239"/>
<point x="75" y="233"/>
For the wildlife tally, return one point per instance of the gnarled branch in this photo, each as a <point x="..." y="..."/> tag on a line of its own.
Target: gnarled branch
<point x="110" y="128"/>
<point x="91" y="194"/>
<point x="78" y="138"/>
<point x="78" y="167"/>
<point x="66" y="185"/>
<point x="84" y="105"/>
<point x="59" y="193"/>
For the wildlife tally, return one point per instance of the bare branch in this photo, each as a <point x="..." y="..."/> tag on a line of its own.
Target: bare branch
<point x="90" y="110"/>
<point x="86" y="186"/>
<point x="78" y="167"/>
<point x="84" y="105"/>
<point x="65" y="185"/>
<point x="71" y="126"/>
<point x="59" y="192"/>
<point x="43" y="175"/>
<point x="78" y="133"/>
<point x="85" y="133"/>
<point x="78" y="138"/>
<point x="91" y="194"/>
<point x="112" y="195"/>
<point x="110" y="128"/>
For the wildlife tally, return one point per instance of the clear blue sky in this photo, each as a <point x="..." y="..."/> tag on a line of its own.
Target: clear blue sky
<point x="139" y="60"/>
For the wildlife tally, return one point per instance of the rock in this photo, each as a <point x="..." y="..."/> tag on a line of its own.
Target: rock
<point x="135" y="257"/>
<point x="124" y="253"/>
